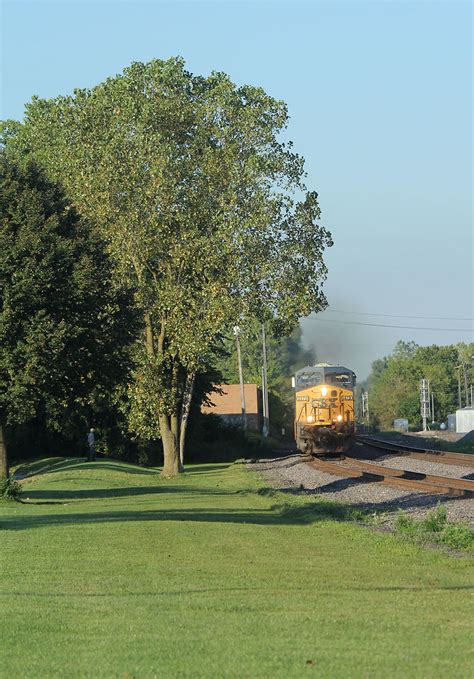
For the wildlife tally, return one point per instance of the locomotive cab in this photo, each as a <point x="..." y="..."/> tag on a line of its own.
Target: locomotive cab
<point x="324" y="408"/>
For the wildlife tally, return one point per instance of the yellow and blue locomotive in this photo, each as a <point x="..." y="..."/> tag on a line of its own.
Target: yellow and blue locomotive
<point x="324" y="408"/>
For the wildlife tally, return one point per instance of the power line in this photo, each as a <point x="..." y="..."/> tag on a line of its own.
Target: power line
<point x="381" y="325"/>
<point x="423" y="318"/>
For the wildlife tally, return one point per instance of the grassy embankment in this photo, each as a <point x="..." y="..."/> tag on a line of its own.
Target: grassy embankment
<point x="110" y="571"/>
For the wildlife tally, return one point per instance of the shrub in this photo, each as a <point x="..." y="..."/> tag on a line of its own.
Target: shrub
<point x="435" y="528"/>
<point x="405" y="523"/>
<point x="457" y="536"/>
<point x="436" y="520"/>
<point x="9" y="488"/>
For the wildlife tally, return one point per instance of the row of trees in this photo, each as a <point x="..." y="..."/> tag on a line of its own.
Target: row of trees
<point x="394" y="383"/>
<point x="194" y="216"/>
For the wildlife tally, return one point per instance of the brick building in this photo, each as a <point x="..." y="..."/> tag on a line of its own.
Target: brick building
<point x="228" y="405"/>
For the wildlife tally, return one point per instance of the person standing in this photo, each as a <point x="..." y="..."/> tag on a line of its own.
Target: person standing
<point x="91" y="443"/>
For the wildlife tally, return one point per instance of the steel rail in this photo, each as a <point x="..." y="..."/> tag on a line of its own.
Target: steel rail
<point x="430" y="455"/>
<point x="465" y="484"/>
<point x="396" y="477"/>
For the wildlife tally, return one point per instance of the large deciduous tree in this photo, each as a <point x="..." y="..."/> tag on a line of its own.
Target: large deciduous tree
<point x="64" y="333"/>
<point x="202" y="207"/>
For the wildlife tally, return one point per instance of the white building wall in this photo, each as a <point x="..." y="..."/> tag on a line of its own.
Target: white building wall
<point x="464" y="420"/>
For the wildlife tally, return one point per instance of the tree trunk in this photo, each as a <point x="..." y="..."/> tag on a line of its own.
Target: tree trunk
<point x="4" y="470"/>
<point x="188" y="394"/>
<point x="169" y="435"/>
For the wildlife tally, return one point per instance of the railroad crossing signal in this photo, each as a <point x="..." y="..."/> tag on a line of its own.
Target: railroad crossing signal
<point x="425" y="402"/>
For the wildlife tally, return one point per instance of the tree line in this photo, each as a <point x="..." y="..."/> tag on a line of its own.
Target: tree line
<point x="140" y="220"/>
<point x="394" y="382"/>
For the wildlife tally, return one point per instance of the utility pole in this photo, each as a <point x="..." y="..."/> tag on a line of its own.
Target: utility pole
<point x="425" y="401"/>
<point x="241" y="377"/>
<point x="432" y="408"/>
<point x="266" y="413"/>
<point x="472" y="404"/>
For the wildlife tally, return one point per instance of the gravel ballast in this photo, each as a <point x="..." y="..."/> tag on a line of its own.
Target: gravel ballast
<point x="296" y="476"/>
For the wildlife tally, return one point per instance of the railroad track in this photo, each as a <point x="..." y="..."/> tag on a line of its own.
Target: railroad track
<point x="445" y="457"/>
<point x="351" y="467"/>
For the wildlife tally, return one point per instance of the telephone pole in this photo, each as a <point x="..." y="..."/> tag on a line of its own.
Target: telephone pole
<point x="241" y="377"/>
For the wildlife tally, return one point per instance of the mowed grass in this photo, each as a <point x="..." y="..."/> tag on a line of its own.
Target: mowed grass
<point x="108" y="570"/>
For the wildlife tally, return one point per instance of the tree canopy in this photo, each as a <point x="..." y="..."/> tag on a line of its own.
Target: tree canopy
<point x="64" y="333"/>
<point x="394" y="383"/>
<point x="204" y="211"/>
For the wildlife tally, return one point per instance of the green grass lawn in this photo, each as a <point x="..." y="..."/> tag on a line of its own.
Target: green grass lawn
<point x="108" y="570"/>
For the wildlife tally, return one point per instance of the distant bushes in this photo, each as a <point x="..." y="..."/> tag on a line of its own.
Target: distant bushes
<point x="211" y="440"/>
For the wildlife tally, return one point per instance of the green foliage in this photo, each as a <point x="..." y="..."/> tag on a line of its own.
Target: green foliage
<point x="405" y="523"/>
<point x="435" y="527"/>
<point x="203" y="209"/>
<point x="65" y="330"/>
<point x="436" y="520"/>
<point x="457" y="536"/>
<point x="9" y="488"/>
<point x="394" y="383"/>
<point x="213" y="440"/>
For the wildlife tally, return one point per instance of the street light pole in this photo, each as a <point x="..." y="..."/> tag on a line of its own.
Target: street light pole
<point x="241" y="378"/>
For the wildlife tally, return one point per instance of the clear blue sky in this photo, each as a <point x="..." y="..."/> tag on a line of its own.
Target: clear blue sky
<point x="379" y="95"/>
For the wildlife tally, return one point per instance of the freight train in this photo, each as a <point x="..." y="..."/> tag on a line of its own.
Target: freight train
<point x="324" y="409"/>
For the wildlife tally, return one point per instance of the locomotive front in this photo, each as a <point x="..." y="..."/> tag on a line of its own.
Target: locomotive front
<point x="324" y="408"/>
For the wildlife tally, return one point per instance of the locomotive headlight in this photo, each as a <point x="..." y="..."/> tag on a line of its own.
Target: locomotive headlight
<point x="324" y="391"/>
<point x="339" y="418"/>
<point x="310" y="418"/>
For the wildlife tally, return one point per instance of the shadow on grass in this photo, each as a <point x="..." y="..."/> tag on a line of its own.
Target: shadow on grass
<point x="132" y="491"/>
<point x="54" y="465"/>
<point x="333" y="586"/>
<point x="281" y="514"/>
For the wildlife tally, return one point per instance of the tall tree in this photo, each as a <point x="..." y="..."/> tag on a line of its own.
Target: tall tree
<point x="63" y="330"/>
<point x="195" y="194"/>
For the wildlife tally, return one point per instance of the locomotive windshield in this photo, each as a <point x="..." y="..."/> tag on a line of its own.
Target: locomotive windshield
<point x="335" y="376"/>
<point x="309" y="378"/>
<point x="340" y="380"/>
